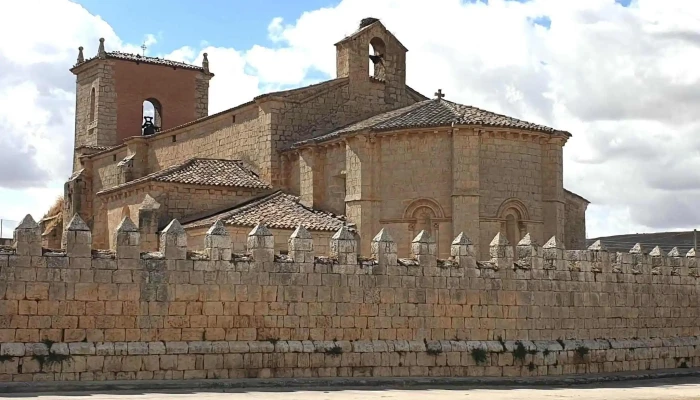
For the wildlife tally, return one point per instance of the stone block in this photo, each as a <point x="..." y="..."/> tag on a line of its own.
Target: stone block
<point x="27" y="237"/>
<point x="156" y="348"/>
<point x="12" y="349"/>
<point x="77" y="238"/>
<point x="127" y="240"/>
<point x="301" y="245"/>
<point x="137" y="348"/>
<point x="173" y="241"/>
<point x="217" y="242"/>
<point x="261" y="244"/>
<point x="81" y="348"/>
<point x="343" y="246"/>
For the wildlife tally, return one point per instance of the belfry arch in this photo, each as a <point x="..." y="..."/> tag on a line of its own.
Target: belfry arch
<point x="377" y="53"/>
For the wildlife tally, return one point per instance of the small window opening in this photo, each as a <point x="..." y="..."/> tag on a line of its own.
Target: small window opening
<point x="513" y="227"/>
<point x="92" y="105"/>
<point x="114" y="157"/>
<point x="377" y="51"/>
<point x="174" y="138"/>
<point x="233" y="119"/>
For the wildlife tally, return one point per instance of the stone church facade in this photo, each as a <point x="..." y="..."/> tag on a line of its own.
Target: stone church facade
<point x="363" y="150"/>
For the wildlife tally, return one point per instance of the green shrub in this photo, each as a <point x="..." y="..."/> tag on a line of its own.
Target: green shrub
<point x="479" y="355"/>
<point x="581" y="351"/>
<point x="336" y="350"/>
<point x="519" y="352"/>
<point x="51" y="359"/>
<point x="434" y="351"/>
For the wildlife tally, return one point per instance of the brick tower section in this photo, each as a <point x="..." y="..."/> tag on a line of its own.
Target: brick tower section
<point x="111" y="89"/>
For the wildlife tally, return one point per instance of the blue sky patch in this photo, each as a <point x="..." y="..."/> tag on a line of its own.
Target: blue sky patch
<point x="543" y="20"/>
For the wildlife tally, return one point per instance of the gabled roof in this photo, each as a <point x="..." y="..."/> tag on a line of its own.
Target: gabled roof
<point x="365" y="25"/>
<point x="433" y="113"/>
<point x="118" y="55"/>
<point x="205" y="172"/>
<point x="277" y="210"/>
<point x="665" y="240"/>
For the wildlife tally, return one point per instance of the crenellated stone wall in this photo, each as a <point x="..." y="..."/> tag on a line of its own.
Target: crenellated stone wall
<point x="83" y="314"/>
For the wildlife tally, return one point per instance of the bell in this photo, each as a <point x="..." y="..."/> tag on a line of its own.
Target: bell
<point x="148" y="127"/>
<point x="375" y="58"/>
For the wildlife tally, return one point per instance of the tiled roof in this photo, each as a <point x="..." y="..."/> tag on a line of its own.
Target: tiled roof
<point x="433" y="113"/>
<point x="206" y="172"/>
<point x="277" y="210"/>
<point x="144" y="59"/>
<point x="665" y="240"/>
<point x="95" y="147"/>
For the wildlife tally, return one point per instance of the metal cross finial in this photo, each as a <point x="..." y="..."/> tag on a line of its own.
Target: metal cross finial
<point x="439" y="94"/>
<point x="143" y="47"/>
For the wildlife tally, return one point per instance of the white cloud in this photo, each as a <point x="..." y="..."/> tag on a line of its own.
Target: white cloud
<point x="621" y="79"/>
<point x="37" y="97"/>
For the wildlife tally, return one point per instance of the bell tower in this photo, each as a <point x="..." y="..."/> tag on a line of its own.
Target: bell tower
<point x="371" y="56"/>
<point x="112" y="88"/>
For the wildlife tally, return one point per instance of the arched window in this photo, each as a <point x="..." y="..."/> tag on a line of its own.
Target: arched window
<point x="512" y="229"/>
<point x="513" y="214"/>
<point x="377" y="51"/>
<point x="92" y="105"/>
<point x="424" y="220"/>
<point x="152" y="115"/>
<point x="424" y="214"/>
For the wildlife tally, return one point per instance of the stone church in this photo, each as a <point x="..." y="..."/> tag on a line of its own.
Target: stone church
<point x="363" y="150"/>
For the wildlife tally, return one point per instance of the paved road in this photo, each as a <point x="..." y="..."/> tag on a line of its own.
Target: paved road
<point x="666" y="389"/>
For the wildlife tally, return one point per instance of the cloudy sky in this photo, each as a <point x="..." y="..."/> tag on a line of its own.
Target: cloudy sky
<point x="620" y="75"/>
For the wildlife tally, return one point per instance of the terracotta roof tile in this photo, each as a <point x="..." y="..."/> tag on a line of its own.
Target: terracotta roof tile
<point x="144" y="59"/>
<point x="206" y="172"/>
<point x="277" y="210"/>
<point x="95" y="147"/>
<point x="432" y="113"/>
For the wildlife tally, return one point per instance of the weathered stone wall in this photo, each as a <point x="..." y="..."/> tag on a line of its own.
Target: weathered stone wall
<point x="415" y="188"/>
<point x="575" y="216"/>
<point x="176" y="200"/>
<point x="334" y="179"/>
<point x="95" y="115"/>
<point x="511" y="169"/>
<point x="179" y="314"/>
<point x="422" y="179"/>
<point x="240" y="133"/>
<point x="239" y="235"/>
